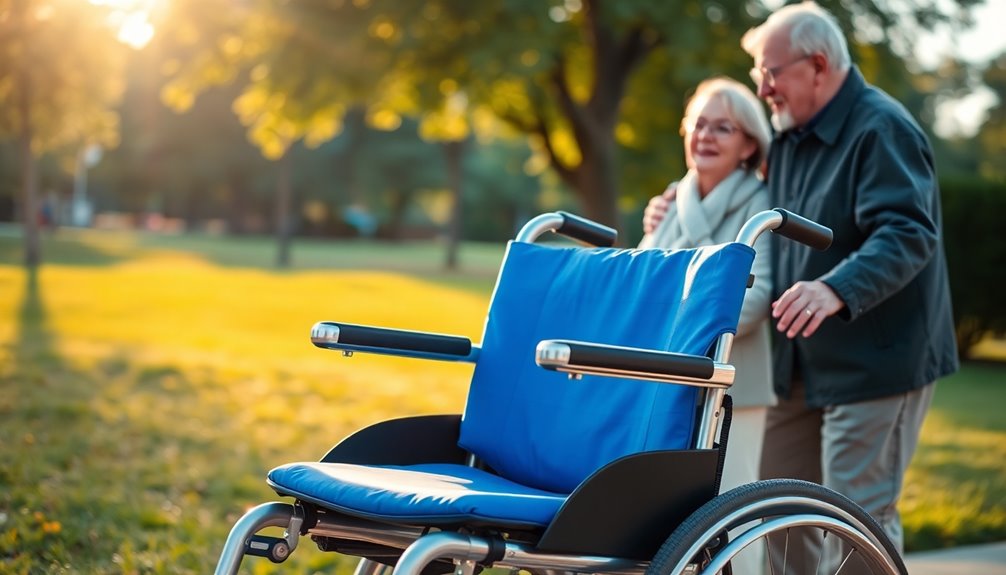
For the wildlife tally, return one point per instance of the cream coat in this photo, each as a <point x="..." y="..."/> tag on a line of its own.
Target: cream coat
<point x="691" y="222"/>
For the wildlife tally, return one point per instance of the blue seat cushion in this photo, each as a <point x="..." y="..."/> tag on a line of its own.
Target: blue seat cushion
<point x="435" y="493"/>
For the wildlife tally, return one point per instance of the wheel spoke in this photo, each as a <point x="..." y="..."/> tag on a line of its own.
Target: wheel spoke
<point x="785" y="554"/>
<point x="845" y="560"/>
<point x="768" y="555"/>
<point x="823" y="523"/>
<point x="820" y="555"/>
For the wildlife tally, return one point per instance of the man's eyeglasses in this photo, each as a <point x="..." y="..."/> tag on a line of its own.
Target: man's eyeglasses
<point x="719" y="129"/>
<point x="770" y="74"/>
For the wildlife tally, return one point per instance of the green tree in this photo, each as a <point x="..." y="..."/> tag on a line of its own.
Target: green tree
<point x="992" y="137"/>
<point x="297" y="79"/>
<point x="976" y="257"/>
<point x="60" y="77"/>
<point x="196" y="166"/>
<point x="598" y="86"/>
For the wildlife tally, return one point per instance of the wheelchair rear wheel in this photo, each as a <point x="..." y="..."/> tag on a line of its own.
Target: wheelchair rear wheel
<point x="776" y="510"/>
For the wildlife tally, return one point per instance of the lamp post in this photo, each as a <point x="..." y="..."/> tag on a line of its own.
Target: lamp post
<point x="87" y="158"/>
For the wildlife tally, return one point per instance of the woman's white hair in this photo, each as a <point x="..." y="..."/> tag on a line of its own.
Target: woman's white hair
<point x="743" y="108"/>
<point x="812" y="29"/>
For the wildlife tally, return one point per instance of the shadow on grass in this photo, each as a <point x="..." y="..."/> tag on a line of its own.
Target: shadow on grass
<point x="110" y="466"/>
<point x="90" y="471"/>
<point x="57" y="248"/>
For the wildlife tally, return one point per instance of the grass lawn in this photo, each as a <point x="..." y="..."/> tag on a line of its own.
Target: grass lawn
<point x="147" y="384"/>
<point x="955" y="490"/>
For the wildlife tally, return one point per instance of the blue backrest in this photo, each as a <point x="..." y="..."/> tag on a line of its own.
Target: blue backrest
<point x="542" y="429"/>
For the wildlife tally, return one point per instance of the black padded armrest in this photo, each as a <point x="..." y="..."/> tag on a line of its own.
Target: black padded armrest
<point x="577" y="357"/>
<point x="349" y="337"/>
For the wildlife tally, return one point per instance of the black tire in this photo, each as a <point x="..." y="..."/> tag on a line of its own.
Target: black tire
<point x="765" y="500"/>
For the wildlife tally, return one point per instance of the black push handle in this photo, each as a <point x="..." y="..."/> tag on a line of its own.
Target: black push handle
<point x="586" y="230"/>
<point x="807" y="232"/>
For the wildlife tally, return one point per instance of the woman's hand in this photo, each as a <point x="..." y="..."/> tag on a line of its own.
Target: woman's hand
<point x="656" y="209"/>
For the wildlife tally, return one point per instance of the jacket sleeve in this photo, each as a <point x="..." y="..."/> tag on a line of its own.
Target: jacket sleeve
<point x="757" y="298"/>
<point x="894" y="199"/>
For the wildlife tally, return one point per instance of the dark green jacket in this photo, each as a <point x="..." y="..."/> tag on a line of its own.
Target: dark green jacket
<point x="864" y="168"/>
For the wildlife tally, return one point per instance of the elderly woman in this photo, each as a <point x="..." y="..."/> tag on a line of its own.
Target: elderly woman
<point x="726" y="141"/>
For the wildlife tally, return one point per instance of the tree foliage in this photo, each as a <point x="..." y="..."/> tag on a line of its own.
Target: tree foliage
<point x="60" y="77"/>
<point x="992" y="137"/>
<point x="64" y="57"/>
<point x="597" y="86"/>
<point x="976" y="257"/>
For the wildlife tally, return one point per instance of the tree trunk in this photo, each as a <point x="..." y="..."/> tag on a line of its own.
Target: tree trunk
<point x="596" y="183"/>
<point x="29" y="175"/>
<point x="593" y="123"/>
<point x="396" y="223"/>
<point x="237" y="210"/>
<point x="284" y="199"/>
<point x="454" y="153"/>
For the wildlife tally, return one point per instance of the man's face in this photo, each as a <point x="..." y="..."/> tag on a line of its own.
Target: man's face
<point x="786" y="80"/>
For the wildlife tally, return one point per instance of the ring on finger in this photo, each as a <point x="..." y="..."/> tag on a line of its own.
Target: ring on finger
<point x="808" y="311"/>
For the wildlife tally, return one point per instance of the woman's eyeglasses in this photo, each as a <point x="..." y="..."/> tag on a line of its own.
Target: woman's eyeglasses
<point x="718" y="128"/>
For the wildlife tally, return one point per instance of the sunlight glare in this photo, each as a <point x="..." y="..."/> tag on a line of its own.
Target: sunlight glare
<point x="136" y="30"/>
<point x="133" y="19"/>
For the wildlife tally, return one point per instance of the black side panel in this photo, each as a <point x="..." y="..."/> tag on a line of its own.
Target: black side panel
<point x="628" y="508"/>
<point x="405" y="441"/>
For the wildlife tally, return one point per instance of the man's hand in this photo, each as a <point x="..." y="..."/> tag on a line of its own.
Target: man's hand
<point x="803" y="307"/>
<point x="657" y="208"/>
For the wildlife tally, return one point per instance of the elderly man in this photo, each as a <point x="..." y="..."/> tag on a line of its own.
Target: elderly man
<point x="864" y="328"/>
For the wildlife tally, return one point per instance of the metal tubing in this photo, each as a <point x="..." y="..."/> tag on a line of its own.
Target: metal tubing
<point x="421" y="551"/>
<point x="758" y="224"/>
<point x="440" y="545"/>
<point x="361" y="530"/>
<point x="538" y="225"/>
<point x="706" y="437"/>
<point x="525" y="557"/>
<point x="368" y="567"/>
<point x="867" y="548"/>
<point x="722" y="379"/>
<point x="555" y="355"/>
<point x="273" y="514"/>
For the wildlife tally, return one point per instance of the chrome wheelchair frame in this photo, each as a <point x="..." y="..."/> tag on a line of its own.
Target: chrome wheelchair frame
<point x="699" y="543"/>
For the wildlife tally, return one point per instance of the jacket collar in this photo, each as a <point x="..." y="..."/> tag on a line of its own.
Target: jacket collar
<point x="828" y="122"/>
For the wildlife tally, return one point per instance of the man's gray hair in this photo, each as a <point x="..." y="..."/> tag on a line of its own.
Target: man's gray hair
<point x="812" y="29"/>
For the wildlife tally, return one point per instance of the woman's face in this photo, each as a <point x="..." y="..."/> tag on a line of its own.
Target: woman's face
<point x="714" y="143"/>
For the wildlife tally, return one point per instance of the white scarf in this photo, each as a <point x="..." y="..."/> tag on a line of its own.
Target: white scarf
<point x="692" y="220"/>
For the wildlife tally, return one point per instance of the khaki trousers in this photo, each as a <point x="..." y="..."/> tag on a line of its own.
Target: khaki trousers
<point x="860" y="450"/>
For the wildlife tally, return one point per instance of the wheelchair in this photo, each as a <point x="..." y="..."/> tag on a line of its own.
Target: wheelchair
<point x="592" y="440"/>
